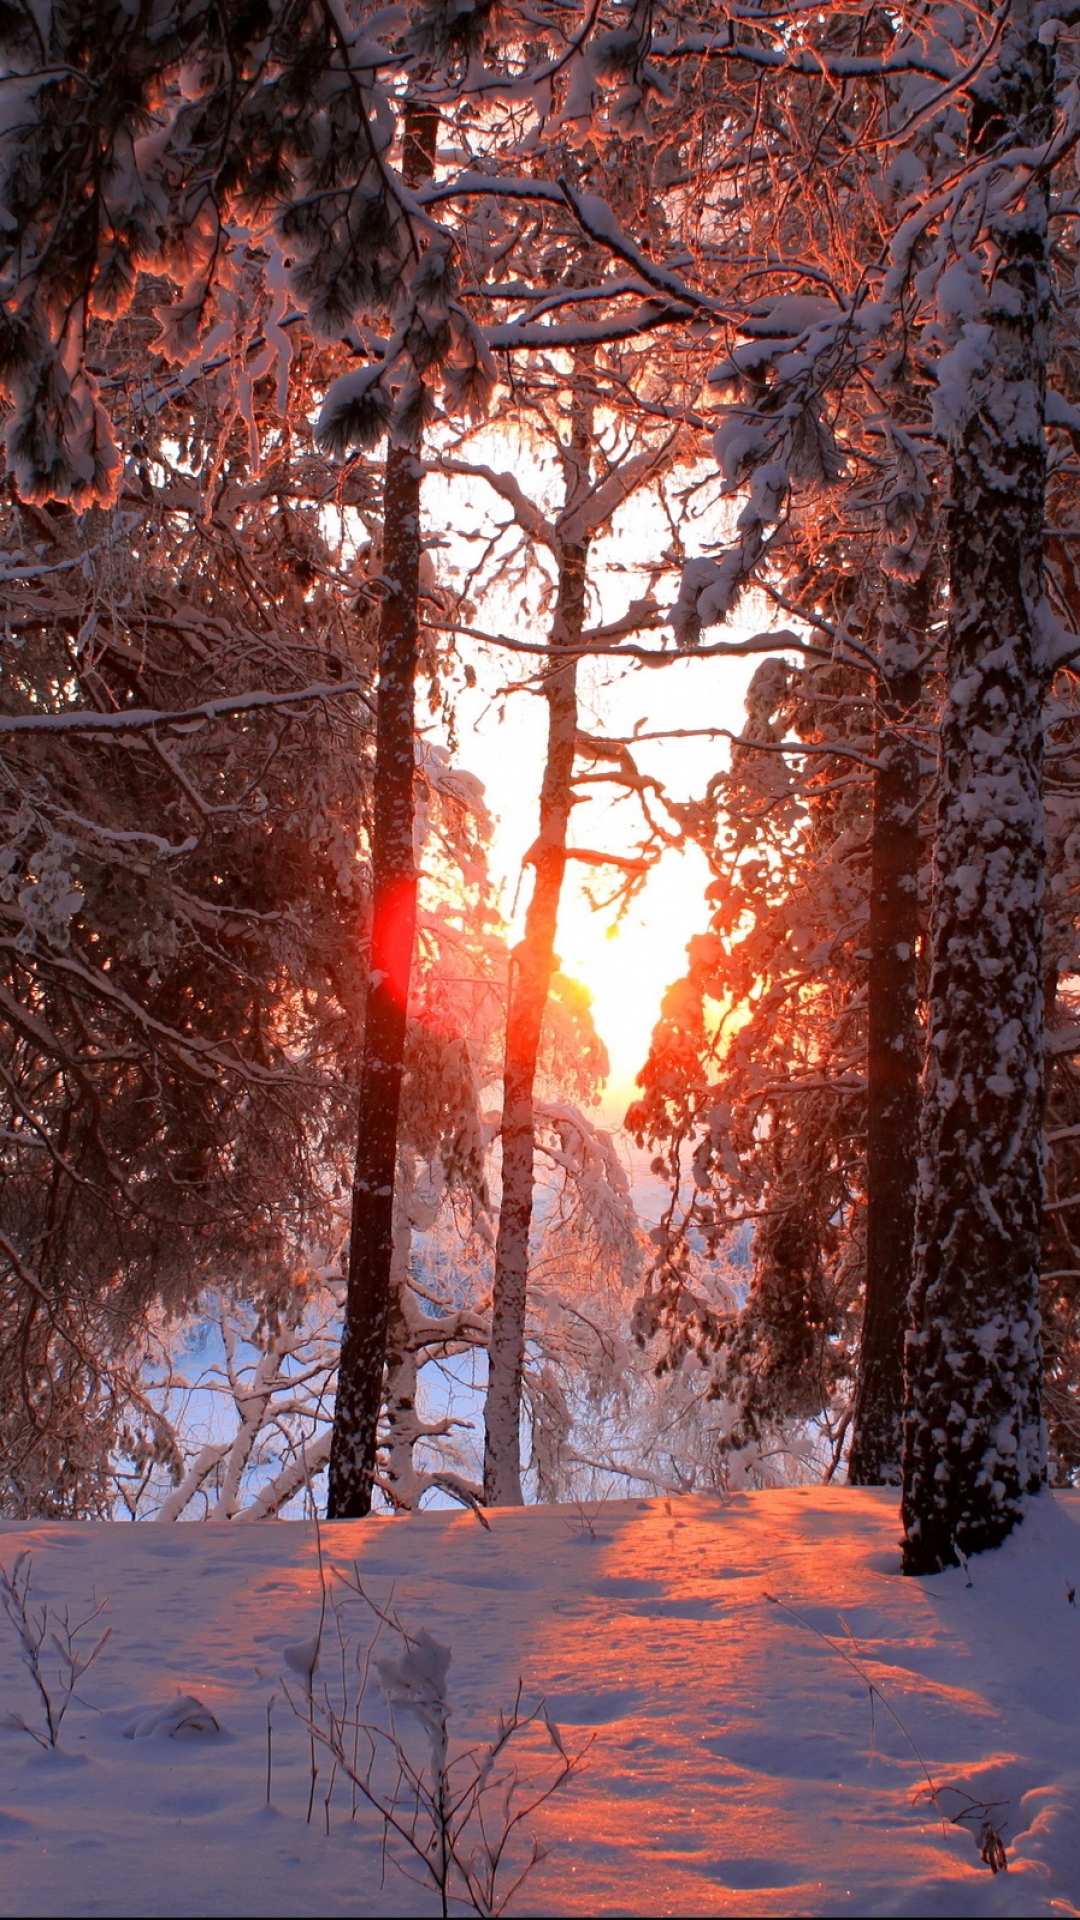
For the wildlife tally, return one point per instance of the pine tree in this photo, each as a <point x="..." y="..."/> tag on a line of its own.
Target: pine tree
<point x="974" y="1441"/>
<point x="894" y="1041"/>
<point x="755" y="1083"/>
<point x="182" y="902"/>
<point x="371" y="1240"/>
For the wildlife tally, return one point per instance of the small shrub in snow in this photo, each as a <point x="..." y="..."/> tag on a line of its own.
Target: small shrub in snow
<point x="46" y="1635"/>
<point x="458" y="1816"/>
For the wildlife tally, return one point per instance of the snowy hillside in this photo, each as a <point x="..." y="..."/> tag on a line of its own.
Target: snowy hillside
<point x="734" y="1767"/>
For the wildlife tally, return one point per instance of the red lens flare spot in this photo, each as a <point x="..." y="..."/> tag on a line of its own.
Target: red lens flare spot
<point x="392" y="938"/>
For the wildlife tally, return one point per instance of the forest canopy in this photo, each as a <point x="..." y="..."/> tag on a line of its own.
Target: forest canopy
<point x="338" y="344"/>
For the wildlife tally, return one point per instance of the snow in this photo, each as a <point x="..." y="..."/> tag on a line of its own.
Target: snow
<point x="716" y="1649"/>
<point x="131" y="719"/>
<point x="957" y="372"/>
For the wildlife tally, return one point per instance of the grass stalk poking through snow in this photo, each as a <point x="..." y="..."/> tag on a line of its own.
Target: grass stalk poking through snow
<point x="975" y="1813"/>
<point x="45" y="1635"/>
<point x="459" y="1817"/>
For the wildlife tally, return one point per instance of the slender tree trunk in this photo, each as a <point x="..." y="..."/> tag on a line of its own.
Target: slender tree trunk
<point x="973" y="1442"/>
<point x="531" y="965"/>
<point x="393" y="928"/>
<point x="893" y="1044"/>
<point x="402" y="1369"/>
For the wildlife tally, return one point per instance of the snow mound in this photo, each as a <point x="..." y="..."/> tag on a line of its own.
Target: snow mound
<point x="183" y="1718"/>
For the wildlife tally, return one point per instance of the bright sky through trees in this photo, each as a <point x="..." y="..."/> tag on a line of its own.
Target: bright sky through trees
<point x="628" y="972"/>
<point x="627" y="966"/>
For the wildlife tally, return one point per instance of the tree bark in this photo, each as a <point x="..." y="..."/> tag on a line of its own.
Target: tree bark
<point x="393" y="928"/>
<point x="402" y="1377"/>
<point x="974" y="1442"/>
<point x="532" y="963"/>
<point x="893" y="1042"/>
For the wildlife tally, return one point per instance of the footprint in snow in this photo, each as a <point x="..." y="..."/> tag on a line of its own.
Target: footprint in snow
<point x="587" y="1709"/>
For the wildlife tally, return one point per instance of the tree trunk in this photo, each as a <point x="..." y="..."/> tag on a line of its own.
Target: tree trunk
<point x="393" y="927"/>
<point x="973" y="1439"/>
<point x="402" y="1377"/>
<point x="892" y="1068"/>
<point x="531" y="965"/>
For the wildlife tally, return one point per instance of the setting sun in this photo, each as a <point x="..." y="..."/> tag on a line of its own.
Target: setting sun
<point x="626" y="963"/>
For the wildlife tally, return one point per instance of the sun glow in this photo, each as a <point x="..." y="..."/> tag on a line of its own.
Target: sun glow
<point x="626" y="963"/>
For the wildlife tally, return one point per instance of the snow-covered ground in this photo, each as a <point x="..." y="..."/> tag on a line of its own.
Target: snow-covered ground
<point x="734" y="1766"/>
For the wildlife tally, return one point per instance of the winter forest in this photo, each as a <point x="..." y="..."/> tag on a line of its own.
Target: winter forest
<point x="540" y="907"/>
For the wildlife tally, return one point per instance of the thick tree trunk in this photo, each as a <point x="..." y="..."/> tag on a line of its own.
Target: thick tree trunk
<point x="393" y="928"/>
<point x="531" y="966"/>
<point x="973" y="1443"/>
<point x="892" y="1069"/>
<point x="371" y="1239"/>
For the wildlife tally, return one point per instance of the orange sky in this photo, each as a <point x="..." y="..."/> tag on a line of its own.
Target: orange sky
<point x="626" y="974"/>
